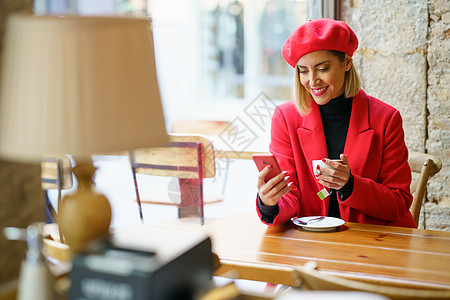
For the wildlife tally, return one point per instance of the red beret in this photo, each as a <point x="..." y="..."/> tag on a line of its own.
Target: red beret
<point x="320" y="34"/>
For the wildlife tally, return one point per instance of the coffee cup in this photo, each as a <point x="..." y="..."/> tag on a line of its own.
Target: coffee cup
<point x="319" y="163"/>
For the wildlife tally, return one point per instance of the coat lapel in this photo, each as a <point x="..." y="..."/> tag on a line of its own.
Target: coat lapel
<point x="359" y="135"/>
<point x="312" y="138"/>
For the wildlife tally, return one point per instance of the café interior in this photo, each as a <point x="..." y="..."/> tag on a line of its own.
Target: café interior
<point x="128" y="130"/>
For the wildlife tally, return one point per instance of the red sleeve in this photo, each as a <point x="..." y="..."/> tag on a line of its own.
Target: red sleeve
<point x="280" y="146"/>
<point x="388" y="197"/>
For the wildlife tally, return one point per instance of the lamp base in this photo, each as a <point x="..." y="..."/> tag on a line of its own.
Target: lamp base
<point x="84" y="215"/>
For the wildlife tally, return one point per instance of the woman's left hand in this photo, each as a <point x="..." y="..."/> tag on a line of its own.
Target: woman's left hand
<point x="336" y="174"/>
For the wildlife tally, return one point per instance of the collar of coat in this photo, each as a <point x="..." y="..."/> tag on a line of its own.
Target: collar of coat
<point x="359" y="135"/>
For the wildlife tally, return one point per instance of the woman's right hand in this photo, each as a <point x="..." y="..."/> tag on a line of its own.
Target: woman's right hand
<point x="269" y="192"/>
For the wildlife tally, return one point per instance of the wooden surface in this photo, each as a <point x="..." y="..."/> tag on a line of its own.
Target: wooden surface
<point x="8" y="290"/>
<point x="423" y="167"/>
<point x="49" y="173"/>
<point x="390" y="255"/>
<point x="177" y="155"/>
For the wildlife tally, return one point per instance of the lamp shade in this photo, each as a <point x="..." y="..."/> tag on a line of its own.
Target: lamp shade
<point x="79" y="85"/>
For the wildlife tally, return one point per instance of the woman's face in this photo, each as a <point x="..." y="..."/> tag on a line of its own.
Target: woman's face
<point x="323" y="75"/>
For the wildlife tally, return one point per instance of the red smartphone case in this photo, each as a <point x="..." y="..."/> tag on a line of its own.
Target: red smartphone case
<point x="262" y="160"/>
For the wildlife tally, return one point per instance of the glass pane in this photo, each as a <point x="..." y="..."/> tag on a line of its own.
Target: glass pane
<point x="276" y="20"/>
<point x="90" y="7"/>
<point x="222" y="48"/>
<point x="240" y="43"/>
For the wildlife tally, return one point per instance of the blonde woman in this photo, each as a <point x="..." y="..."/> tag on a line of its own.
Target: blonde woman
<point x="365" y="177"/>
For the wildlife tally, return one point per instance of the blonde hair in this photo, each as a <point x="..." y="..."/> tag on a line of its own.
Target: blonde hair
<point x="302" y="98"/>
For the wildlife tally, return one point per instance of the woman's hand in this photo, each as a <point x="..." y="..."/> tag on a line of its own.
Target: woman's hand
<point x="269" y="192"/>
<point x="336" y="174"/>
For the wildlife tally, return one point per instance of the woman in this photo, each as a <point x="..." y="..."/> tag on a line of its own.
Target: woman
<point x="332" y="118"/>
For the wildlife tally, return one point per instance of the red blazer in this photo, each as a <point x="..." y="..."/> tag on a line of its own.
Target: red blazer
<point x="377" y="156"/>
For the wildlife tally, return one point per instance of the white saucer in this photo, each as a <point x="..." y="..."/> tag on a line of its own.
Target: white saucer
<point x="326" y="224"/>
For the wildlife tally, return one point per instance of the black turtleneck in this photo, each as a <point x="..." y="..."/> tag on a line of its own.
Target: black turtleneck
<point x="335" y="119"/>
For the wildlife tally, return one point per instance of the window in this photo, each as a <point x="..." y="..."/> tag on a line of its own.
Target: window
<point x="216" y="56"/>
<point x="213" y="56"/>
<point x="240" y="44"/>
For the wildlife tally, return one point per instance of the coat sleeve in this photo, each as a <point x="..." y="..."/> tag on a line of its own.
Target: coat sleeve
<point x="389" y="196"/>
<point x="280" y="146"/>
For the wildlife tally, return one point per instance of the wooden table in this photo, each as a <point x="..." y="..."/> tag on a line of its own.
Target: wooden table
<point x="390" y="255"/>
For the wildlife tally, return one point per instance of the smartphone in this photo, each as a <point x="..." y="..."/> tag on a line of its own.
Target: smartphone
<point x="262" y="160"/>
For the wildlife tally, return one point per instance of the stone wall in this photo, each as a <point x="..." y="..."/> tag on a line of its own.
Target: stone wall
<point x="21" y="201"/>
<point x="403" y="59"/>
<point x="438" y="106"/>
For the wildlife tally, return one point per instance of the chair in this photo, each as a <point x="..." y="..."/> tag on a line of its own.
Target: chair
<point x="56" y="173"/>
<point x="312" y="279"/>
<point x="190" y="159"/>
<point x="424" y="166"/>
<point x="211" y="128"/>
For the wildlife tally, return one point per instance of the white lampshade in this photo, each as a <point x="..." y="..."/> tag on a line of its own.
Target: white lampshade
<point x="78" y="85"/>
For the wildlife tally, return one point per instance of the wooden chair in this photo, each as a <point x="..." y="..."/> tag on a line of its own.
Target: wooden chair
<point x="312" y="279"/>
<point x="56" y="173"/>
<point x="423" y="166"/>
<point x="190" y="159"/>
<point x="209" y="128"/>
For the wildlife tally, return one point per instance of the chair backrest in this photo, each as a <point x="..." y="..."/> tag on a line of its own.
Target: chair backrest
<point x="312" y="279"/>
<point x="190" y="158"/>
<point x="178" y="159"/>
<point x="425" y="166"/>
<point x="56" y="173"/>
<point x="213" y="129"/>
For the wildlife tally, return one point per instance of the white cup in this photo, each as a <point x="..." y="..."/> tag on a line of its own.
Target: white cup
<point x="318" y="162"/>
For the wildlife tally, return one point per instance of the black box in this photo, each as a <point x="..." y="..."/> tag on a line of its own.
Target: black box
<point x="137" y="264"/>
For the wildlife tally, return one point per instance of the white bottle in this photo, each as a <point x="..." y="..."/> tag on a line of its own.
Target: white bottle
<point x="35" y="281"/>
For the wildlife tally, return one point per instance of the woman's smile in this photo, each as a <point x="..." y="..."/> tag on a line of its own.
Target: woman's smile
<point x="319" y="91"/>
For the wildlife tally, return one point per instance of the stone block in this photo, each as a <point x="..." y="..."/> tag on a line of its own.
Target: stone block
<point x="434" y="217"/>
<point x="405" y="90"/>
<point x="383" y="29"/>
